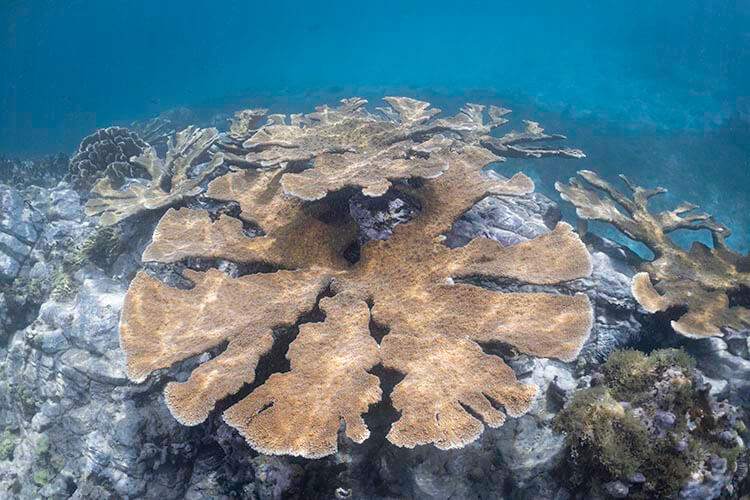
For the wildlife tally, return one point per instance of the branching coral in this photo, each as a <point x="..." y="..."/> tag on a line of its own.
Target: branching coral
<point x="349" y="146"/>
<point x="170" y="179"/>
<point x="245" y="123"/>
<point x="295" y="236"/>
<point x="702" y="279"/>
<point x="405" y="283"/>
<point x="157" y="131"/>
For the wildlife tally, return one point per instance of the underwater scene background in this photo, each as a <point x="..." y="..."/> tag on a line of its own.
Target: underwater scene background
<point x="521" y="342"/>
<point x="642" y="87"/>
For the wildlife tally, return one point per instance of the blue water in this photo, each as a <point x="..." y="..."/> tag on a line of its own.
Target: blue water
<point x="658" y="90"/>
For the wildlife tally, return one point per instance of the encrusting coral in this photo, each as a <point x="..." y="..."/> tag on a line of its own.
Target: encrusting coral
<point x="170" y="180"/>
<point x="405" y="283"/>
<point x="704" y="280"/>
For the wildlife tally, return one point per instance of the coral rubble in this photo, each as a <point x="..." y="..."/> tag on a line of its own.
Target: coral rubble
<point x="406" y="283"/>
<point x="46" y="171"/>
<point x="709" y="282"/>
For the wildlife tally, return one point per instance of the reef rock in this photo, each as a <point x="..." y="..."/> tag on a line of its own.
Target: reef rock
<point x="726" y="363"/>
<point x="19" y="231"/>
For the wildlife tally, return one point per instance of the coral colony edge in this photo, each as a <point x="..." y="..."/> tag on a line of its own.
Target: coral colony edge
<point x="353" y="303"/>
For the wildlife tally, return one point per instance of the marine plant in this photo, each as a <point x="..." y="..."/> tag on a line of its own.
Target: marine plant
<point x="711" y="284"/>
<point x="63" y="285"/>
<point x="101" y="247"/>
<point x="649" y="424"/>
<point x="8" y="442"/>
<point x="406" y="284"/>
<point x="117" y="197"/>
<point x="41" y="478"/>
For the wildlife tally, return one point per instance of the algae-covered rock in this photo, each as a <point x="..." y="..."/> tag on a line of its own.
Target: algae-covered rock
<point x="651" y="426"/>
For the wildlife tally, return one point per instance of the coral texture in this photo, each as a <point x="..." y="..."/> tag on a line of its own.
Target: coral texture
<point x="157" y="131"/>
<point x="349" y="146"/>
<point x="406" y="284"/>
<point x="105" y="149"/>
<point x="703" y="279"/>
<point x="170" y="179"/>
<point x="245" y="123"/>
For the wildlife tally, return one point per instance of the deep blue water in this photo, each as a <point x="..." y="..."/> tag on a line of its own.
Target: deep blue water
<point x="657" y="90"/>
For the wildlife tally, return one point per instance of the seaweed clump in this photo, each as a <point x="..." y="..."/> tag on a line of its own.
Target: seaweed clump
<point x="650" y="429"/>
<point x="707" y="288"/>
<point x="102" y="248"/>
<point x="302" y="170"/>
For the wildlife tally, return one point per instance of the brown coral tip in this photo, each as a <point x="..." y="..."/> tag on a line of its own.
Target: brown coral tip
<point x="294" y="236"/>
<point x="443" y="377"/>
<point x="351" y="147"/>
<point x="162" y="325"/>
<point x="646" y="295"/>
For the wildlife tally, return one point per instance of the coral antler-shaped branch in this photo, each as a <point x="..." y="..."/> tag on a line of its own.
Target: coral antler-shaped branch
<point x="436" y="326"/>
<point x="349" y="146"/>
<point x="118" y="198"/>
<point x="294" y="236"/>
<point x="245" y="123"/>
<point x="701" y="279"/>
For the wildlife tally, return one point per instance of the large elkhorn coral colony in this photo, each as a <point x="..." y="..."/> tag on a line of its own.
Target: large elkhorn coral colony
<point x="288" y="176"/>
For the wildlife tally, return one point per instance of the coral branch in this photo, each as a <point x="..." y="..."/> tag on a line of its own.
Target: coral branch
<point x="328" y="381"/>
<point x="700" y="279"/>
<point x="184" y="323"/>
<point x="115" y="202"/>
<point x="442" y="375"/>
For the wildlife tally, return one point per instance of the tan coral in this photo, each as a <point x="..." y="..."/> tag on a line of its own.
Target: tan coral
<point x="403" y="275"/>
<point x="328" y="381"/>
<point x="349" y="146"/>
<point x="436" y="325"/>
<point x="701" y="279"/>
<point x="294" y="236"/>
<point x="245" y="123"/>
<point x="442" y="376"/>
<point x="184" y="323"/>
<point x="114" y="202"/>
